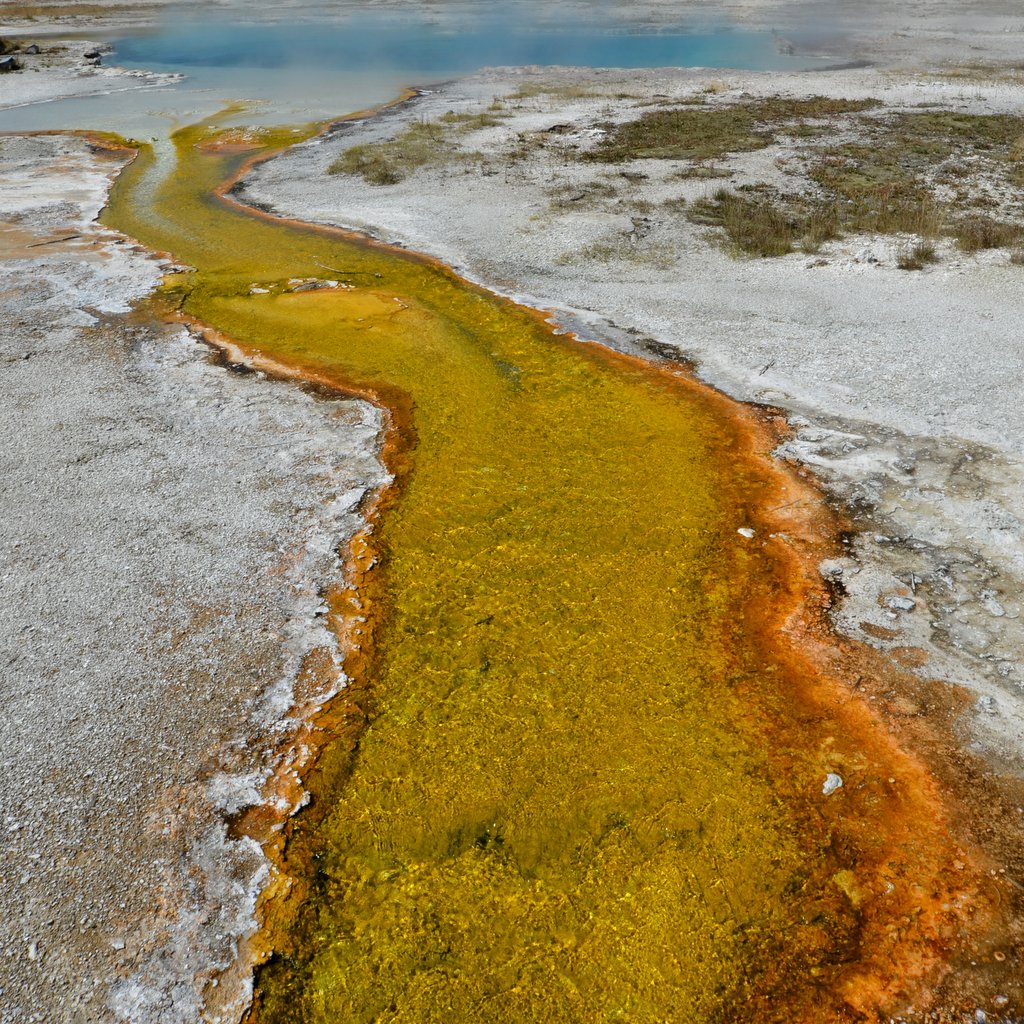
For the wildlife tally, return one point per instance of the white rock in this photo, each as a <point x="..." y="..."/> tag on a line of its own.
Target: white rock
<point x="832" y="783"/>
<point x="988" y="705"/>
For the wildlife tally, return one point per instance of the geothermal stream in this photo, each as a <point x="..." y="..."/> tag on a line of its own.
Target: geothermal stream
<point x="586" y="763"/>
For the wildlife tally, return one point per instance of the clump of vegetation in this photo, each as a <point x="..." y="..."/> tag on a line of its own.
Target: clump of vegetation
<point x="820" y="224"/>
<point x="708" y="133"/>
<point x="914" y="255"/>
<point x="978" y="232"/>
<point x="686" y="134"/>
<point x="763" y="223"/>
<point x="474" y="122"/>
<point x="901" y="151"/>
<point x="981" y="132"/>
<point x="754" y="225"/>
<point x="530" y="90"/>
<point x="885" y="183"/>
<point x="759" y="223"/>
<point x="426" y="144"/>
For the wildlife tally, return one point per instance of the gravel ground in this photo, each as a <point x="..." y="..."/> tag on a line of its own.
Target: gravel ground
<point x="168" y="528"/>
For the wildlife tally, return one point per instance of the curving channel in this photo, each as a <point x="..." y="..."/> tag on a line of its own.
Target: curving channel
<point x="578" y="774"/>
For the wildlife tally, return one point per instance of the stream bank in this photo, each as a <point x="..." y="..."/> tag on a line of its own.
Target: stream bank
<point x="169" y="527"/>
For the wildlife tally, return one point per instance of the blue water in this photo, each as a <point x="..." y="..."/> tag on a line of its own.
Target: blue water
<point x="375" y="43"/>
<point x="316" y="70"/>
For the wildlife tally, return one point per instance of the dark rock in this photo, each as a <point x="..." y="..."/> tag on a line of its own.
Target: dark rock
<point x="33" y="49"/>
<point x="9" y="64"/>
<point x="313" y="286"/>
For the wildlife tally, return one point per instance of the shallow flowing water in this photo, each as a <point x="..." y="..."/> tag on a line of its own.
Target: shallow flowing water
<point x="571" y="787"/>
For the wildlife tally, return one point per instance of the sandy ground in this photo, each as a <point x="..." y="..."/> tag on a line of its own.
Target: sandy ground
<point x="168" y="528"/>
<point x="903" y="387"/>
<point x="170" y="524"/>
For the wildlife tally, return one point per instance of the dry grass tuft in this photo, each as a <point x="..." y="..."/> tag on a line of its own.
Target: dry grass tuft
<point x="977" y="232"/>
<point x="915" y="255"/>
<point x="426" y="144"/>
<point x="754" y="226"/>
<point x="708" y="133"/>
<point x="531" y="90"/>
<point x="474" y="122"/>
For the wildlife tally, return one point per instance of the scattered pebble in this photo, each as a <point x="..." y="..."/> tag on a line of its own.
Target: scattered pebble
<point x="900" y="604"/>
<point x="745" y="531"/>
